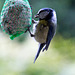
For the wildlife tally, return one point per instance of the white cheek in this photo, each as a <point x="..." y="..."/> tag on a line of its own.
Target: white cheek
<point x="54" y="18"/>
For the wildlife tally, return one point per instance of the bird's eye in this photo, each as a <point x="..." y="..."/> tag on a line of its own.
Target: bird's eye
<point x="51" y="10"/>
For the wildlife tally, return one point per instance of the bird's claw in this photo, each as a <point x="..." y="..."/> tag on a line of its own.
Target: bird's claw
<point x="33" y="21"/>
<point x="28" y="28"/>
<point x="29" y="32"/>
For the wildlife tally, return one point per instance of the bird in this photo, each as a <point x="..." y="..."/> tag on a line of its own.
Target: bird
<point x="44" y="28"/>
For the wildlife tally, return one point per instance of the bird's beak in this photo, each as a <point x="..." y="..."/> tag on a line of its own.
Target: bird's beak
<point x="36" y="16"/>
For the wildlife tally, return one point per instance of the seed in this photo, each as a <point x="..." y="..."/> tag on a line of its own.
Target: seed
<point x="16" y="16"/>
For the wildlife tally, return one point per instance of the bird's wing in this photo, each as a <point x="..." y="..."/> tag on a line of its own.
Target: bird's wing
<point x="49" y="37"/>
<point x="39" y="50"/>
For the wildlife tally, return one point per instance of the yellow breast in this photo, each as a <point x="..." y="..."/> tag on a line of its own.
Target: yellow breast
<point x="41" y="31"/>
<point x="43" y="22"/>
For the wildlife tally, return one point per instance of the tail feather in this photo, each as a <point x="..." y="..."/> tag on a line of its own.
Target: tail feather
<point x="39" y="50"/>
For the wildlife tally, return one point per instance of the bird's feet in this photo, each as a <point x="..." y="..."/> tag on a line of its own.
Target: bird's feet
<point x="29" y="31"/>
<point x="33" y="21"/>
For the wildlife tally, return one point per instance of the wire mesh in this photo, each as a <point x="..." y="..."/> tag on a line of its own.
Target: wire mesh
<point x="16" y="17"/>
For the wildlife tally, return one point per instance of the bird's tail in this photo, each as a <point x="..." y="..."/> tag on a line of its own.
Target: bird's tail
<point x="39" y="50"/>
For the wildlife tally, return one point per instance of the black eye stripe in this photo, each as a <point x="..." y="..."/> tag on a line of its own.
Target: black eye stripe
<point x="41" y="11"/>
<point x="44" y="11"/>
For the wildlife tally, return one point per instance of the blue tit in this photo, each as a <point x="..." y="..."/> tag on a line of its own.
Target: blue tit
<point x="45" y="28"/>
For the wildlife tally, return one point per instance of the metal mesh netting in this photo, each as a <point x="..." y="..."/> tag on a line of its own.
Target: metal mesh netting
<point x="16" y="17"/>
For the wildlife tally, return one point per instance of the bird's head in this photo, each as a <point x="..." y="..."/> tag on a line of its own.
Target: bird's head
<point x="46" y="14"/>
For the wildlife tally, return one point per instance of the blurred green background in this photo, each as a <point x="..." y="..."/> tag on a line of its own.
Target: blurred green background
<point x="16" y="57"/>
